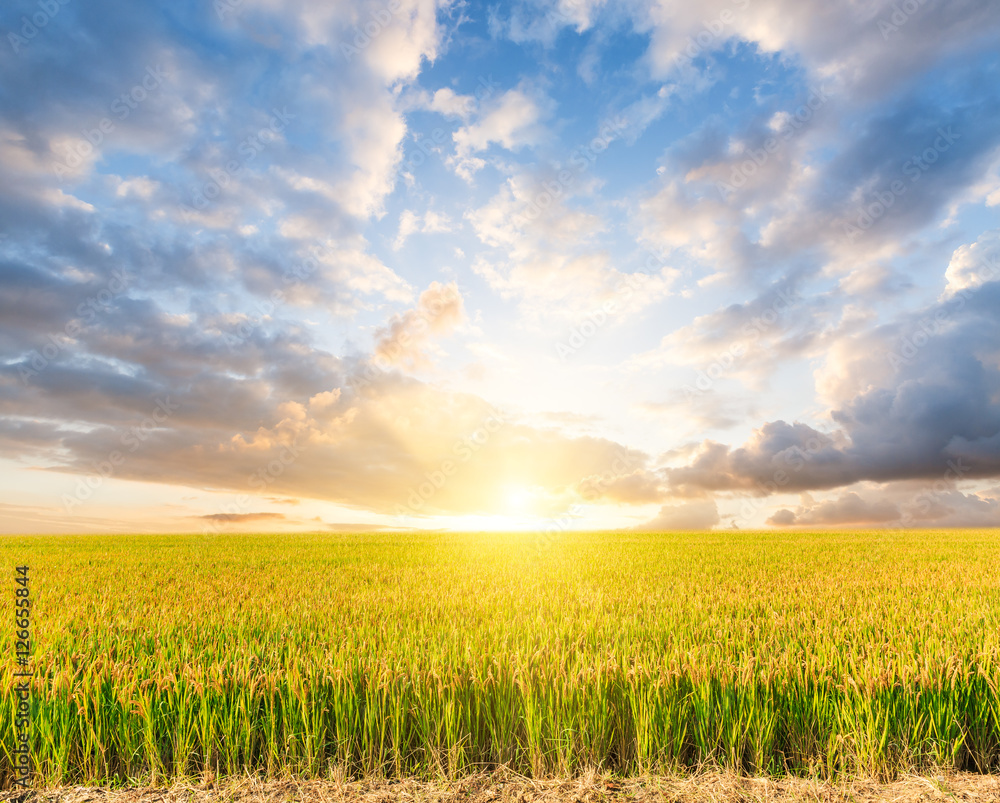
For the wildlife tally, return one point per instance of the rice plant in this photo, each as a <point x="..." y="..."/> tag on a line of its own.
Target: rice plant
<point x="822" y="655"/>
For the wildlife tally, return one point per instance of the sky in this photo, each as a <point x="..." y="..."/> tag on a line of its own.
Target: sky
<point x="544" y="264"/>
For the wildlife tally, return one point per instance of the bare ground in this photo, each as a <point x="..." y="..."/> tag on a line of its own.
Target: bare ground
<point x="509" y="788"/>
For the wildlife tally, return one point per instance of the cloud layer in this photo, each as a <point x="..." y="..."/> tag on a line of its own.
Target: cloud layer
<point x="687" y="267"/>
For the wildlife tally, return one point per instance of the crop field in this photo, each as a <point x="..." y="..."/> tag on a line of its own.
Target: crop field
<point x="820" y="655"/>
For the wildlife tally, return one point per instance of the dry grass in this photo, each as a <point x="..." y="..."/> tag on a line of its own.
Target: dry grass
<point x="501" y="787"/>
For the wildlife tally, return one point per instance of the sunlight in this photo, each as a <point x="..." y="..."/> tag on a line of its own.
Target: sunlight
<point x="517" y="498"/>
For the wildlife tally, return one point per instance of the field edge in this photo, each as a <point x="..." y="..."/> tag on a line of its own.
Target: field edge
<point x="504" y="787"/>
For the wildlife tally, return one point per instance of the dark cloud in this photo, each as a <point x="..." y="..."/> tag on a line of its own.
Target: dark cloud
<point x="906" y="411"/>
<point x="896" y="505"/>
<point x="810" y="201"/>
<point x="848" y="509"/>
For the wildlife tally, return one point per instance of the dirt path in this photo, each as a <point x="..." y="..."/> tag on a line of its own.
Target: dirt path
<point x="495" y="788"/>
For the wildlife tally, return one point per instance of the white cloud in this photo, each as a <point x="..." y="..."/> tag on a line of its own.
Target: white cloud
<point x="512" y="120"/>
<point x="551" y="261"/>
<point x="973" y="264"/>
<point x="405" y="341"/>
<point x="446" y="102"/>
<point x="430" y="222"/>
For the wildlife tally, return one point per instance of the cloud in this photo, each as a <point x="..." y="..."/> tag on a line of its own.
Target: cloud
<point x="969" y="262"/>
<point x="240" y="518"/>
<point x="445" y="101"/>
<point x="542" y="21"/>
<point x="638" y="487"/>
<point x="280" y="417"/>
<point x="744" y="339"/>
<point x="439" y="312"/>
<point x="848" y="509"/>
<point x="512" y="120"/>
<point x="350" y="527"/>
<point x="915" y="399"/>
<point x="179" y="177"/>
<point x="791" y="180"/>
<point x="933" y="507"/>
<point x="868" y="50"/>
<point x="430" y="222"/>
<point x="548" y="254"/>
<point x="700" y="410"/>
<point x="896" y="505"/>
<point x="701" y="514"/>
<point x="199" y="191"/>
<point x="218" y="248"/>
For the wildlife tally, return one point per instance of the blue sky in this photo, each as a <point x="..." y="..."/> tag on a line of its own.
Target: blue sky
<point x="542" y="265"/>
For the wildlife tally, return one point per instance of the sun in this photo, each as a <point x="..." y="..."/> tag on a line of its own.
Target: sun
<point x="517" y="498"/>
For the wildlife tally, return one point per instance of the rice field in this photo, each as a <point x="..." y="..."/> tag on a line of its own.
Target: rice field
<point x="820" y="655"/>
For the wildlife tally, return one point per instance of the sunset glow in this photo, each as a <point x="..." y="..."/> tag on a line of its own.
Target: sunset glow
<point x="553" y="265"/>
